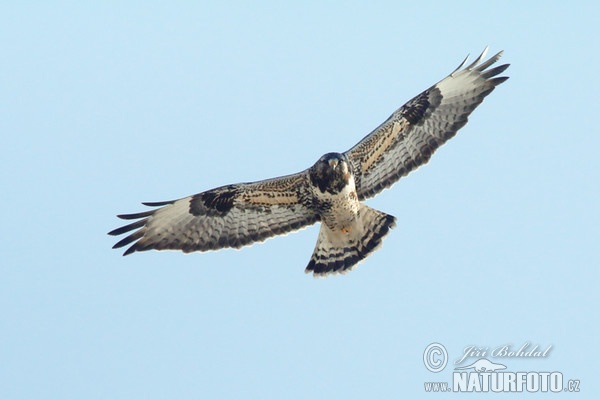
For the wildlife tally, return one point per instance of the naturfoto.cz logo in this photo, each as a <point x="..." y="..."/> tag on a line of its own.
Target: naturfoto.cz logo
<point x="484" y="375"/>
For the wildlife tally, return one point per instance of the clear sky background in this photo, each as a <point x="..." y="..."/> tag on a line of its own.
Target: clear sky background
<point x="106" y="105"/>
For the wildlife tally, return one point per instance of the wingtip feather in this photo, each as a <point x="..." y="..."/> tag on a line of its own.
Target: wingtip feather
<point x="130" y="250"/>
<point x="475" y="64"/>
<point x="158" y="203"/>
<point x="478" y="59"/>
<point x="461" y="65"/>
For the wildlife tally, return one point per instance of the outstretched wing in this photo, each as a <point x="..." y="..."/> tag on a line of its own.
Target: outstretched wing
<point x="408" y="138"/>
<point x="228" y="216"/>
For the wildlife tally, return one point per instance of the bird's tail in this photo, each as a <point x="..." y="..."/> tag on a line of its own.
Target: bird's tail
<point x="339" y="251"/>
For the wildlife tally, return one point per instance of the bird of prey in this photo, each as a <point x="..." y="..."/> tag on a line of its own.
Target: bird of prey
<point x="331" y="191"/>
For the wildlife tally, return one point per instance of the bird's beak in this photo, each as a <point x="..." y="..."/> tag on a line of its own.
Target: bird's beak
<point x="333" y="163"/>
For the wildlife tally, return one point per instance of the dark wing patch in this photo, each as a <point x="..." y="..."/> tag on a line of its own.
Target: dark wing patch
<point x="415" y="109"/>
<point x="408" y="138"/>
<point x="218" y="201"/>
<point x="229" y="216"/>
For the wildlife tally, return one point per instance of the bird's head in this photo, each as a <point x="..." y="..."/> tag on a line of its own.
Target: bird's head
<point x="331" y="173"/>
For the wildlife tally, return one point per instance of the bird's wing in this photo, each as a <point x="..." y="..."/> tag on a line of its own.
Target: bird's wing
<point x="408" y="138"/>
<point x="228" y="216"/>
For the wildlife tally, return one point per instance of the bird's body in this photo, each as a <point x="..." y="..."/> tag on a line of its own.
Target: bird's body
<point x="331" y="191"/>
<point x="334" y="191"/>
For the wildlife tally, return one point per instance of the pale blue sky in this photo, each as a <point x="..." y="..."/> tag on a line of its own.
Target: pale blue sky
<point x="107" y="105"/>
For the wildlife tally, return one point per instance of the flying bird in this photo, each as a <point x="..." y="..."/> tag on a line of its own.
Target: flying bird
<point x="331" y="191"/>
